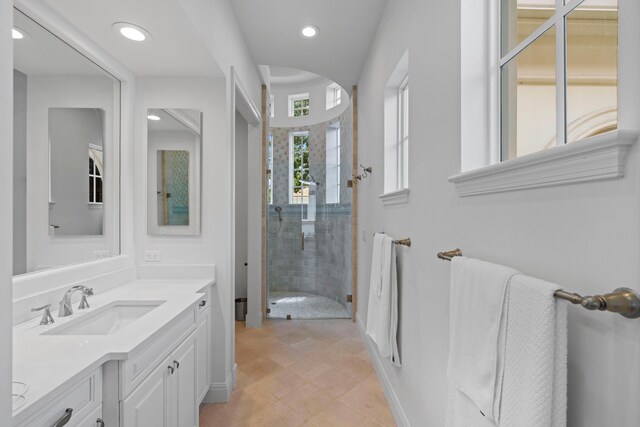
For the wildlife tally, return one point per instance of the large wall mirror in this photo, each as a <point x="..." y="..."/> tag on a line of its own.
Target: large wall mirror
<point x="65" y="153"/>
<point x="173" y="164"/>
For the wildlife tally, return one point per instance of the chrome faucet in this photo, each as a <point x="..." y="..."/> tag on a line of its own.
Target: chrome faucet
<point x="65" y="304"/>
<point x="46" y="314"/>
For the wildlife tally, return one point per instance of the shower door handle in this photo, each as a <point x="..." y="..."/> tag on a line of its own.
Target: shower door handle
<point x="302" y="241"/>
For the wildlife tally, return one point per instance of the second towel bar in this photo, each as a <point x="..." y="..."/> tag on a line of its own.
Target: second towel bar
<point x="401" y="242"/>
<point x="623" y="301"/>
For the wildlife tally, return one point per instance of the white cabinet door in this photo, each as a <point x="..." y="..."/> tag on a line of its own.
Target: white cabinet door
<point x="146" y="406"/>
<point x="185" y="384"/>
<point x="202" y="357"/>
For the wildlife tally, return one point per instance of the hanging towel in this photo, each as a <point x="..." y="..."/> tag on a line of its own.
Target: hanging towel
<point x="382" y="312"/>
<point x="531" y="365"/>
<point x="478" y="293"/>
<point x="535" y="368"/>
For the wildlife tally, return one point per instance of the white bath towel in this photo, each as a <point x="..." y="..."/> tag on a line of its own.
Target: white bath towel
<point x="382" y="311"/>
<point x="478" y="292"/>
<point x="532" y="392"/>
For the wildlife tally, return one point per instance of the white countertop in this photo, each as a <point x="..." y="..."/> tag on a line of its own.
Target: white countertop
<point x="48" y="363"/>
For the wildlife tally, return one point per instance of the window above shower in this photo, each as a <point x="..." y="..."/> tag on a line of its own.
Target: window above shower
<point x="299" y="176"/>
<point x="299" y="105"/>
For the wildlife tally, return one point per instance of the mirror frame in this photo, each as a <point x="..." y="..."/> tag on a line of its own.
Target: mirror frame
<point x="195" y="182"/>
<point x="43" y="280"/>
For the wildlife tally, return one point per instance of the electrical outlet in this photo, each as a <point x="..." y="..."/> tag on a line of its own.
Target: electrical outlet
<point x="100" y="254"/>
<point x="153" y="256"/>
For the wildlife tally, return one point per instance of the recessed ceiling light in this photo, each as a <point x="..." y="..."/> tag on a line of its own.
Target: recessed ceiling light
<point x="131" y="31"/>
<point x="18" y="34"/>
<point x="310" y="31"/>
<point x="153" y="117"/>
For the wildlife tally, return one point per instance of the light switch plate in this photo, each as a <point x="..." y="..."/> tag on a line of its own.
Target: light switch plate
<point x="153" y="256"/>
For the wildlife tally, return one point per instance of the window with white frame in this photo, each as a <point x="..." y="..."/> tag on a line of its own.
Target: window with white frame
<point x="333" y="164"/>
<point x="334" y="95"/>
<point x="396" y="131"/>
<point x="403" y="134"/>
<point x="299" y="105"/>
<point x="558" y="73"/>
<point x="299" y="167"/>
<point x="95" y="174"/>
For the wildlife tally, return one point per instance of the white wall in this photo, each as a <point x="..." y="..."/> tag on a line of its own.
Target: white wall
<point x="217" y="25"/>
<point x="207" y="95"/>
<point x="6" y="178"/>
<point x="563" y="234"/>
<point x="241" y="200"/>
<point x="318" y="113"/>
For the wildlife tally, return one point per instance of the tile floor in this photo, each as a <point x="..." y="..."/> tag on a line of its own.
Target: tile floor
<point x="301" y="305"/>
<point x="302" y="373"/>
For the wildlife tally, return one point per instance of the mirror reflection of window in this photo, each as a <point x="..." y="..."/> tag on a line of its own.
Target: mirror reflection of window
<point x="95" y="174"/>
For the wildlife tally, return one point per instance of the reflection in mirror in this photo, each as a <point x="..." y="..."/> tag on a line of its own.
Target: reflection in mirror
<point x="174" y="140"/>
<point x="66" y="129"/>
<point x="173" y="187"/>
<point x="76" y="140"/>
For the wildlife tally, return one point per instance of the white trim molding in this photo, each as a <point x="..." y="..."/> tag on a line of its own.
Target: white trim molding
<point x="392" y="398"/>
<point x="395" y="197"/>
<point x="594" y="159"/>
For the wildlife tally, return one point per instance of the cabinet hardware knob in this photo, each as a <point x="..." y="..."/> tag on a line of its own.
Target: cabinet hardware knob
<point x="203" y="303"/>
<point x="176" y="364"/>
<point x="100" y="422"/>
<point x="171" y="369"/>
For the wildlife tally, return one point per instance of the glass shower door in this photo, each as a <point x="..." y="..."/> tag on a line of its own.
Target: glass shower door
<point x="309" y="220"/>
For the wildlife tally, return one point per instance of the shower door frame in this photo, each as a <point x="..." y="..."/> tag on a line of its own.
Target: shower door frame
<point x="354" y="202"/>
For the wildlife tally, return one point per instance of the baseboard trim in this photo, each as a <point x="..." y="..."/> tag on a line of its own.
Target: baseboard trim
<point x="221" y="392"/>
<point x="392" y="398"/>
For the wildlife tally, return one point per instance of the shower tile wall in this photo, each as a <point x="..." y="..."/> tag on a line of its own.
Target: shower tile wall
<point x="324" y="266"/>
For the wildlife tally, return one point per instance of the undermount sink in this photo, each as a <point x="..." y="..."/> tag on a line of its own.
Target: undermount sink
<point x="106" y="320"/>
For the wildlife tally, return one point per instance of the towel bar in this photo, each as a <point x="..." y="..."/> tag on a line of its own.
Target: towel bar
<point x="623" y="301"/>
<point x="401" y="242"/>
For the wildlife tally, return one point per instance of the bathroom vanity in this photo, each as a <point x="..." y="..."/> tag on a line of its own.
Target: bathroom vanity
<point x="139" y="356"/>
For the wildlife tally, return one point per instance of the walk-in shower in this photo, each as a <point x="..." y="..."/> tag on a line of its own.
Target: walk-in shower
<point x="309" y="215"/>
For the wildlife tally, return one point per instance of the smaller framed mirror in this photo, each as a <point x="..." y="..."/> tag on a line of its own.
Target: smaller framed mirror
<point x="174" y="139"/>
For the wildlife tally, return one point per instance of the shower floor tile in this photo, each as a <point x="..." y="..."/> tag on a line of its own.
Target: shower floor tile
<point x="301" y="305"/>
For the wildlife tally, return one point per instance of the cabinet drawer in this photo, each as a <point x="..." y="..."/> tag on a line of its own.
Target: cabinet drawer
<point x="135" y="369"/>
<point x="205" y="301"/>
<point x="91" y="420"/>
<point x="83" y="397"/>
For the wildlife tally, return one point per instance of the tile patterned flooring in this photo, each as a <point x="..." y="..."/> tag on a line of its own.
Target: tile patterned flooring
<point x="301" y="305"/>
<point x="312" y="373"/>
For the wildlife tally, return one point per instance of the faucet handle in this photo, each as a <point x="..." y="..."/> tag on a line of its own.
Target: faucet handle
<point x="46" y="316"/>
<point x="84" y="304"/>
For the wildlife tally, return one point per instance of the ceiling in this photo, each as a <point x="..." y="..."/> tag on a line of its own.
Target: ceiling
<point x="286" y="76"/>
<point x="175" y="48"/>
<point x="347" y="27"/>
